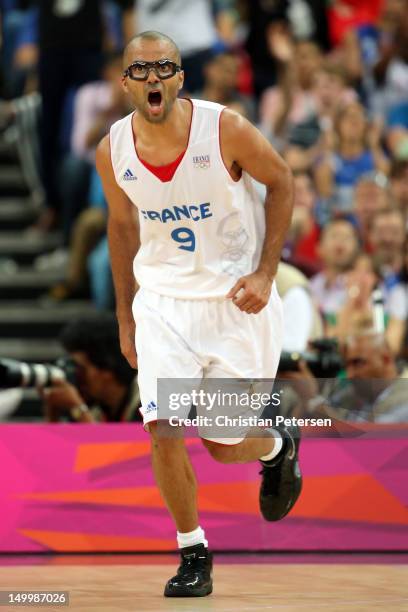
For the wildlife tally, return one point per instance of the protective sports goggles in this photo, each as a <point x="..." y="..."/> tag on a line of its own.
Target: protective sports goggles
<point x="163" y="69"/>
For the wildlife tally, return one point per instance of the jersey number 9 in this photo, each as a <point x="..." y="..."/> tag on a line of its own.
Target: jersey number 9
<point x="185" y="237"/>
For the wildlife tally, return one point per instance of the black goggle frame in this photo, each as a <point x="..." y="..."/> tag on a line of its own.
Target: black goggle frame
<point x="155" y="66"/>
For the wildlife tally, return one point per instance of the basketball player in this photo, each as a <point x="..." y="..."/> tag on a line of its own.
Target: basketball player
<point x="201" y="299"/>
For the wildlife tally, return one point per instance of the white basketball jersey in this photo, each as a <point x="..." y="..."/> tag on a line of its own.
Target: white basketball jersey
<point x="200" y="231"/>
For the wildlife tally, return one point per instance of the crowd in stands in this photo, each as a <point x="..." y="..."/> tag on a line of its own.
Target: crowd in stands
<point x="326" y="81"/>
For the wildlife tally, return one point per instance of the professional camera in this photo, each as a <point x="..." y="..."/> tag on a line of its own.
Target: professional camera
<point x="324" y="360"/>
<point x="19" y="374"/>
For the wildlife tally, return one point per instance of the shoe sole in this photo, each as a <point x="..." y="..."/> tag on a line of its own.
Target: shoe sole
<point x="202" y="593"/>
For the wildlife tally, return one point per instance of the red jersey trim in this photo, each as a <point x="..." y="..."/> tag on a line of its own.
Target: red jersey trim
<point x="166" y="173"/>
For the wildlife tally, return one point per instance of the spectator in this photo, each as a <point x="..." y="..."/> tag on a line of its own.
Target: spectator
<point x="292" y="103"/>
<point x="271" y="22"/>
<point x="397" y="134"/>
<point x="19" y="51"/>
<point x="100" y="276"/>
<point x="89" y="228"/>
<point x="391" y="15"/>
<point x="371" y="195"/>
<point x="331" y="91"/>
<point x="399" y="185"/>
<point x="308" y="19"/>
<point x="376" y="392"/>
<point x="396" y="332"/>
<point x="338" y="249"/>
<point x="22" y="70"/>
<point x="97" y="106"/>
<point x="105" y="387"/>
<point x="264" y="21"/>
<point x="72" y="36"/>
<point x="298" y="159"/>
<point x="391" y="71"/>
<point x="364" y="42"/>
<point x="356" y="313"/>
<point x="301" y="248"/>
<point x="70" y="43"/>
<point x="352" y="150"/>
<point x="221" y="84"/>
<point x="344" y="15"/>
<point x="302" y="321"/>
<point x="387" y="236"/>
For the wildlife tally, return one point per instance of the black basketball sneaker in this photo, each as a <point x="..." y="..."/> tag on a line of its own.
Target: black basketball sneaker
<point x="281" y="478"/>
<point x="194" y="576"/>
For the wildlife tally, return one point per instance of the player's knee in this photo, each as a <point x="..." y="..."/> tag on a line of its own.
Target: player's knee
<point x="221" y="452"/>
<point x="165" y="443"/>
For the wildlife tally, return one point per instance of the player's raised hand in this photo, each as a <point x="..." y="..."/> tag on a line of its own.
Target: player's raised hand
<point x="251" y="292"/>
<point x="127" y="342"/>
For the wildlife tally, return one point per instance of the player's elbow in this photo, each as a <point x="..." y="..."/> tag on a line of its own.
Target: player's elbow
<point x="282" y="181"/>
<point x="286" y="175"/>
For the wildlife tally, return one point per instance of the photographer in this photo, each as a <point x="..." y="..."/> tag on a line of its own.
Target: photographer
<point x="377" y="391"/>
<point x="105" y="386"/>
<point x="374" y="390"/>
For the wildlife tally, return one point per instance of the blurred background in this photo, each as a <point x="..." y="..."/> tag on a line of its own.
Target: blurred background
<point x="326" y="81"/>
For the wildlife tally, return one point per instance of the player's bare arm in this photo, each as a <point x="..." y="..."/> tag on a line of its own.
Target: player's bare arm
<point x="124" y="242"/>
<point x="244" y="148"/>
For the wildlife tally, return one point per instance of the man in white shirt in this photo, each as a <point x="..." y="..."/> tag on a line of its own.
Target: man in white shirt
<point x="205" y="253"/>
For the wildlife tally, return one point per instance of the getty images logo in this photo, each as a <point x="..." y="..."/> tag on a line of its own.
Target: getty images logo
<point x="129" y="176"/>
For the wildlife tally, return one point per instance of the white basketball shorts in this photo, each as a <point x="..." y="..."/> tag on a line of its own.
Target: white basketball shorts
<point x="202" y="339"/>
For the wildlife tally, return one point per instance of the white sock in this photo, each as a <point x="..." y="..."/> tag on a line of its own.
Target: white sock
<point x="197" y="536"/>
<point x="277" y="447"/>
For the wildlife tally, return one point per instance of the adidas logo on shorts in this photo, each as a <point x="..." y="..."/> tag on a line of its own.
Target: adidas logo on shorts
<point x="150" y="407"/>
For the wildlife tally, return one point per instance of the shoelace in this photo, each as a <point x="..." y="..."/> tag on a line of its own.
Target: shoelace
<point x="191" y="564"/>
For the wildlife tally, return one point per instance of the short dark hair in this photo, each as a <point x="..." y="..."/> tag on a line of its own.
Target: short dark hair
<point x="152" y="35"/>
<point x="98" y="338"/>
<point x="343" y="218"/>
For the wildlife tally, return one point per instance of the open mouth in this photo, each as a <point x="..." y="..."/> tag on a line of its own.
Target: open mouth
<point x="155" y="99"/>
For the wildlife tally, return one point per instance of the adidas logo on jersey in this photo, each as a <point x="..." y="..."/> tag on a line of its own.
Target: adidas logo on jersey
<point x="129" y="176"/>
<point x="202" y="161"/>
